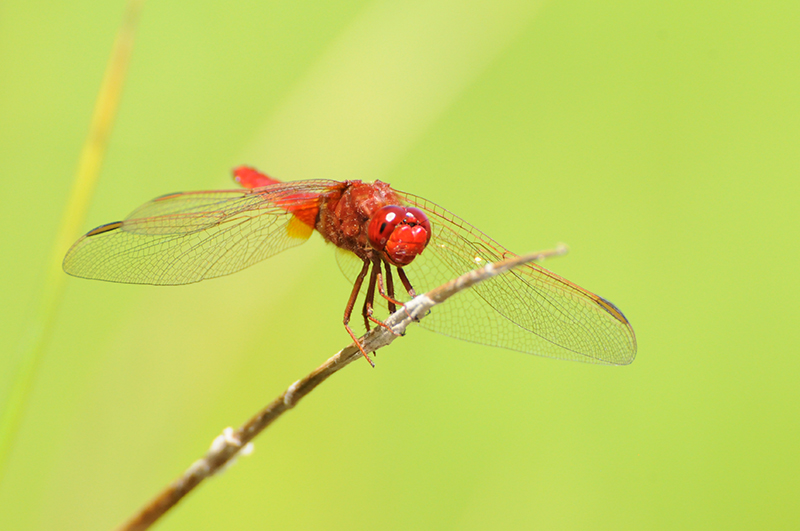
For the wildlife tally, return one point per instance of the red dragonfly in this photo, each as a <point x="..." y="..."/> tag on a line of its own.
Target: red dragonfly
<point x="187" y="237"/>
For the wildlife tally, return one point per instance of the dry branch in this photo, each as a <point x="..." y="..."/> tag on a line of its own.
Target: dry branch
<point x="232" y="442"/>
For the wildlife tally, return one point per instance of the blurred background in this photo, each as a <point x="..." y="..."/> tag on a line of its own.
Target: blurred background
<point x="658" y="139"/>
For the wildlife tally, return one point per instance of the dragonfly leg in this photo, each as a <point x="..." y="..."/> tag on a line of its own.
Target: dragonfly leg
<point x="374" y="278"/>
<point x="406" y="283"/>
<point x="389" y="296"/>
<point x="366" y="310"/>
<point x="348" y="311"/>
<point x="389" y="293"/>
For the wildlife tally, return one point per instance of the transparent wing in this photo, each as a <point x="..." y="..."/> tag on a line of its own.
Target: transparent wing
<point x="187" y="237"/>
<point x="529" y="309"/>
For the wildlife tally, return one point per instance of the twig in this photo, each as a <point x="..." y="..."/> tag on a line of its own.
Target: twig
<point x="232" y="442"/>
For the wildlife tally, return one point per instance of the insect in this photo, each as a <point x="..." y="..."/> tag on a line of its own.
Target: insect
<point x="186" y="237"/>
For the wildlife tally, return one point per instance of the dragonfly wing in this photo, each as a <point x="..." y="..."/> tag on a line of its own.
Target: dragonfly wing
<point x="187" y="237"/>
<point x="530" y="309"/>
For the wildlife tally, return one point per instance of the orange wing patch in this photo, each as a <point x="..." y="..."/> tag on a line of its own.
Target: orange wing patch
<point x="299" y="229"/>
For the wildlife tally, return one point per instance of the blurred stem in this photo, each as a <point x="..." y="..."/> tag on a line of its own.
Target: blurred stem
<point x="38" y="334"/>
<point x="232" y="442"/>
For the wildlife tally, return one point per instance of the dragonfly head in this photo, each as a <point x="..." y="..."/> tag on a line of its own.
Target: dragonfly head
<point x="399" y="233"/>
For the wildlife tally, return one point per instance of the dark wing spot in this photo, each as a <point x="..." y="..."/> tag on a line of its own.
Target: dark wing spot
<point x="104" y="228"/>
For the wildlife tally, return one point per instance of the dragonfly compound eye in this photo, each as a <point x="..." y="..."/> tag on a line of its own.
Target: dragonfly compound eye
<point x="399" y="233"/>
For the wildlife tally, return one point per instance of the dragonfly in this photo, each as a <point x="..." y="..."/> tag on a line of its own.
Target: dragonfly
<point x="379" y="233"/>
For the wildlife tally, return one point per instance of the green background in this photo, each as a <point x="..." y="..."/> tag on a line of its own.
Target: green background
<point x="658" y="139"/>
